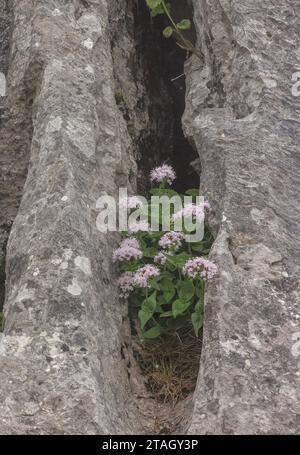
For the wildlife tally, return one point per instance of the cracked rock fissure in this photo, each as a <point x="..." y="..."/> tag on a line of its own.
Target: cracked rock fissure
<point x="90" y="108"/>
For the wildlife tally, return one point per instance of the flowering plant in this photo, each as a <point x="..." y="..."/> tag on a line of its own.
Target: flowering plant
<point x="163" y="273"/>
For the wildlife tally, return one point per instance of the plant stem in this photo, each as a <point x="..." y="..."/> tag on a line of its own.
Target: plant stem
<point x="202" y="290"/>
<point x="168" y="15"/>
<point x="188" y="44"/>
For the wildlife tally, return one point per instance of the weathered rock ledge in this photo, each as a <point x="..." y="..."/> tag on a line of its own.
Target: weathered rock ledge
<point x="244" y="122"/>
<point x="60" y="355"/>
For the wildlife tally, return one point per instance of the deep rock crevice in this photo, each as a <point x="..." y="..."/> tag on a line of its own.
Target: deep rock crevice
<point x="91" y="107"/>
<point x="151" y="98"/>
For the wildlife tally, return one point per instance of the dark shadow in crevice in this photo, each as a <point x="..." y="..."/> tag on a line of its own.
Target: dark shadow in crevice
<point x="163" y="63"/>
<point x="6" y="18"/>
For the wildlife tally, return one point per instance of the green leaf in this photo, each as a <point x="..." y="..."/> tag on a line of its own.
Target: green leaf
<point x="147" y="310"/>
<point x="150" y="302"/>
<point x="179" y="259"/>
<point x="154" y="284"/>
<point x="198" y="292"/>
<point x="197" y="318"/>
<point x="153" y="3"/>
<point x="150" y="252"/>
<point x="130" y="266"/>
<point x="158" y="10"/>
<point x="166" y="274"/>
<point x="170" y="266"/>
<point x="168" y="295"/>
<point x="166" y="284"/>
<point x="193" y="192"/>
<point x="185" y="24"/>
<point x="143" y="244"/>
<point x="186" y="290"/>
<point x="168" y="32"/>
<point x="179" y="307"/>
<point x="144" y="317"/>
<point x="154" y="332"/>
<point x="168" y="289"/>
<point x="166" y="314"/>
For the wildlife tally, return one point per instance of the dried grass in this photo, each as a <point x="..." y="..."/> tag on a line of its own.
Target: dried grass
<point x="170" y="364"/>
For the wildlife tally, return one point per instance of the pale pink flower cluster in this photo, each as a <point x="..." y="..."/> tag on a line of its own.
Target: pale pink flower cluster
<point x="132" y="202"/>
<point x="207" y="206"/>
<point x="144" y="274"/>
<point x="191" y="211"/>
<point x="163" y="173"/>
<point x="126" y="284"/>
<point x="171" y="240"/>
<point x="128" y="249"/>
<point x="130" y="280"/>
<point x="160" y="258"/>
<point x="139" y="226"/>
<point x="200" y="268"/>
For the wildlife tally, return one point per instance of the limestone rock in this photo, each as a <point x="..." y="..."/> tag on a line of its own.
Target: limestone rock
<point x="244" y="120"/>
<point x="60" y="355"/>
<point x="69" y="135"/>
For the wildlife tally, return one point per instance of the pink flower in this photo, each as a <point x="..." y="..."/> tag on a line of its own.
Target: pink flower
<point x="191" y="211"/>
<point x="200" y="268"/>
<point x="160" y="258"/>
<point x="207" y="206"/>
<point x="129" y="249"/>
<point x="171" y="240"/>
<point x="139" y="226"/>
<point x="143" y="275"/>
<point x="126" y="284"/>
<point x="163" y="173"/>
<point x="132" y="202"/>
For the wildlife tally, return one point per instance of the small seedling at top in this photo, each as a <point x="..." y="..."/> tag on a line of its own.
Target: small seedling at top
<point x="175" y="29"/>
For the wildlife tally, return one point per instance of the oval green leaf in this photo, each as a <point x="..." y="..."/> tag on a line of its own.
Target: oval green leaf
<point x="168" y="32"/>
<point x="153" y="3"/>
<point x="152" y="333"/>
<point x="185" y="24"/>
<point x="186" y="290"/>
<point x="179" y="307"/>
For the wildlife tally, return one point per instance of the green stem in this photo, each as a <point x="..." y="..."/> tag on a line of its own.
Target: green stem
<point x="168" y="15"/>
<point x="202" y="290"/>
<point x="186" y="43"/>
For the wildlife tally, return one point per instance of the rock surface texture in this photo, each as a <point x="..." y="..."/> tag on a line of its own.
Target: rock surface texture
<point x="60" y="354"/>
<point x="68" y="135"/>
<point x="244" y="121"/>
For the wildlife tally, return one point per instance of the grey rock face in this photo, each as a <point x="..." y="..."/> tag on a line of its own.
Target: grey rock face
<point x="244" y="121"/>
<point x="5" y="21"/>
<point x="60" y="355"/>
<point x="64" y="142"/>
